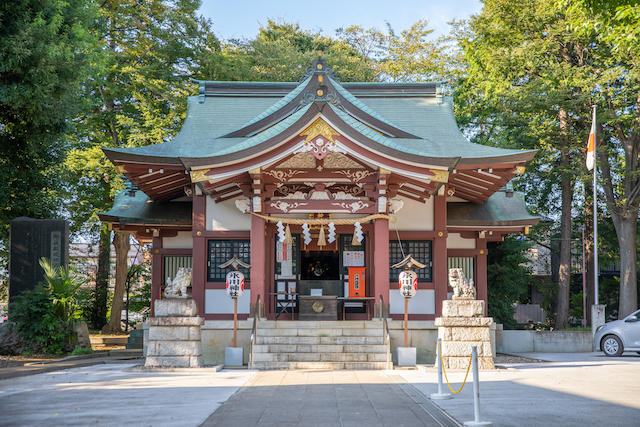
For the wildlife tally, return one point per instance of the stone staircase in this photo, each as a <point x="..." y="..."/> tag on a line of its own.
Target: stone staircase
<point x="286" y="344"/>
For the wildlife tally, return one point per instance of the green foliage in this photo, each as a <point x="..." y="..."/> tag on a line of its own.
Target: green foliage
<point x="37" y="322"/>
<point x="407" y="57"/>
<point x="79" y="351"/>
<point x="508" y="278"/>
<point x="45" y="54"/>
<point x="281" y="52"/>
<point x="63" y="283"/>
<point x="140" y="298"/>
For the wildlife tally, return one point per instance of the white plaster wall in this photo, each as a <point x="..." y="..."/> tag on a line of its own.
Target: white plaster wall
<point x="182" y="241"/>
<point x="454" y="241"/>
<point x="225" y="216"/>
<point x="216" y="301"/>
<point x="424" y="302"/>
<point x="414" y="216"/>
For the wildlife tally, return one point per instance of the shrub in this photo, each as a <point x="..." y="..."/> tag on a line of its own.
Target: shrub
<point x="37" y="322"/>
<point x="79" y="351"/>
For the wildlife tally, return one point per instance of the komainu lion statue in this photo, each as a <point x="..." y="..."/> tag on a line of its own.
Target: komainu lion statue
<point x="462" y="288"/>
<point x="177" y="288"/>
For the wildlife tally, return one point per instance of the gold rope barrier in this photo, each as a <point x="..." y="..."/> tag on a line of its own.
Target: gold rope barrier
<point x="445" y="372"/>
<point x="323" y="221"/>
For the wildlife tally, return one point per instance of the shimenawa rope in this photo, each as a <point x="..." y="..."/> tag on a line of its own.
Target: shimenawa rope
<point x="322" y="221"/>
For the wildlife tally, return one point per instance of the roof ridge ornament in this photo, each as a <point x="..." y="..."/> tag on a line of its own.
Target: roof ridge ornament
<point x="319" y="66"/>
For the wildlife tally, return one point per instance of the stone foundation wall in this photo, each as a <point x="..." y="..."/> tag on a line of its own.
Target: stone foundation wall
<point x="218" y="334"/>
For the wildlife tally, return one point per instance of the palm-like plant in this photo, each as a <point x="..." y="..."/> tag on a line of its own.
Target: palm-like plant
<point x="63" y="284"/>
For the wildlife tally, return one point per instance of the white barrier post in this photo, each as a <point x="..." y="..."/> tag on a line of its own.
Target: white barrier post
<point x="439" y="395"/>
<point x="476" y="393"/>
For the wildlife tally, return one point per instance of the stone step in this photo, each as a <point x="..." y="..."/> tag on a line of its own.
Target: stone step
<point x="320" y="324"/>
<point x="297" y="340"/>
<point x="320" y="357"/>
<point x="292" y="348"/>
<point x="321" y="365"/>
<point x="119" y="340"/>
<point x="321" y="332"/>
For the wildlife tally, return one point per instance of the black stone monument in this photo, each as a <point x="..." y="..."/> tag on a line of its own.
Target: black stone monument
<point x="30" y="240"/>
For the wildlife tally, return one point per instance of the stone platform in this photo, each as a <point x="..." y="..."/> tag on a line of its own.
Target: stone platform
<point x="462" y="326"/>
<point x="174" y="335"/>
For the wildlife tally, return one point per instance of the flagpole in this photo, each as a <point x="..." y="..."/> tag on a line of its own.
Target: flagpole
<point x="595" y="218"/>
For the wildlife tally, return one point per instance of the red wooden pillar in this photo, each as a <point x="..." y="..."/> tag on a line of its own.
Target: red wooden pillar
<point x="481" y="272"/>
<point x="156" y="271"/>
<point x="440" y="274"/>
<point x="199" y="251"/>
<point x="381" y="259"/>
<point x="258" y="260"/>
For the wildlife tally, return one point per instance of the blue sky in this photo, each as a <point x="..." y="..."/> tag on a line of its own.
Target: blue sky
<point x="243" y="18"/>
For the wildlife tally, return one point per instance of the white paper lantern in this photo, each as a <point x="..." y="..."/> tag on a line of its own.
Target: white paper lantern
<point x="408" y="281"/>
<point x="235" y="284"/>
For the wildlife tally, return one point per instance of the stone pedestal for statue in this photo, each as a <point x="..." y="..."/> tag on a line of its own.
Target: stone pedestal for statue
<point x="462" y="326"/>
<point x="174" y="335"/>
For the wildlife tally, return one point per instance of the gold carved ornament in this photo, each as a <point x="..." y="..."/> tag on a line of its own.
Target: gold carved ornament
<point x="439" y="175"/>
<point x="318" y="307"/>
<point x="319" y="127"/>
<point x="199" y="175"/>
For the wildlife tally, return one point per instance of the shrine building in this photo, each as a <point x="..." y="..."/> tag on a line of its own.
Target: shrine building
<point x="361" y="175"/>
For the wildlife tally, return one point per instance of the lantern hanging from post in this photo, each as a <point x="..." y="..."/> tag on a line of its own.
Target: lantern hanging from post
<point x="235" y="284"/>
<point x="408" y="281"/>
<point x="235" y="287"/>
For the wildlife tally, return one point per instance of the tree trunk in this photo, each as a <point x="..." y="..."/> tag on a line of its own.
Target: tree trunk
<point x="99" y="314"/>
<point x="564" y="270"/>
<point x="625" y="220"/>
<point x="626" y="228"/>
<point x="121" y="243"/>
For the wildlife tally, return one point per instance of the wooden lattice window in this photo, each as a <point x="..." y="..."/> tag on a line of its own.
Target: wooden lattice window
<point x="221" y="251"/>
<point x="420" y="250"/>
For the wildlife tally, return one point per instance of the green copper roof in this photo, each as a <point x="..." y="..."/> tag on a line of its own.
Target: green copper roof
<point x="497" y="210"/>
<point x="413" y="108"/>
<point x="140" y="209"/>
<point x="357" y="103"/>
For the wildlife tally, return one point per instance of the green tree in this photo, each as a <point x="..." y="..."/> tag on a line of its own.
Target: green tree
<point x="408" y="57"/>
<point x="615" y="28"/>
<point x="527" y="86"/>
<point x="281" y="52"/>
<point x="508" y="278"/>
<point x="138" y="97"/>
<point x="46" y="49"/>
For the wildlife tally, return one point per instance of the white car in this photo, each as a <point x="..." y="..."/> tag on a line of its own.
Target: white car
<point x="620" y="335"/>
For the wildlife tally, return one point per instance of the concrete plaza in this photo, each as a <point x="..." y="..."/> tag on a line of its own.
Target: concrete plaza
<point x="575" y="389"/>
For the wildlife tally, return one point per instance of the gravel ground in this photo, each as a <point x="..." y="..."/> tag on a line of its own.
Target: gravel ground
<point x="506" y="358"/>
